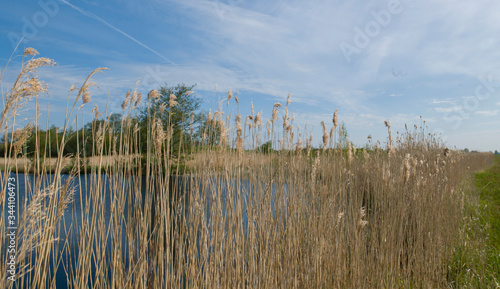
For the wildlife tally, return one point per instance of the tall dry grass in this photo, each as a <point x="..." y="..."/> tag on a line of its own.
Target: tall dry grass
<point x="294" y="217"/>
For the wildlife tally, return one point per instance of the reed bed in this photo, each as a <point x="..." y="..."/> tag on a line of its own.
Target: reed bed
<point x="386" y="216"/>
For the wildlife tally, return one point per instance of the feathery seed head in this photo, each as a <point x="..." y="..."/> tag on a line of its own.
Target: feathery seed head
<point x="21" y="136"/>
<point x="162" y="108"/>
<point x="362" y="213"/>
<point x="33" y="64"/>
<point x="308" y="147"/>
<point x="315" y="167"/>
<point x="139" y="97"/>
<point x="362" y="224"/>
<point x="124" y="104"/>
<point x="160" y="134"/>
<point x="257" y="119"/>
<point x="171" y="100"/>
<point x="95" y="110"/>
<point x="84" y="90"/>
<point x="275" y="114"/>
<point x="406" y="168"/>
<point x="86" y="97"/>
<point x="386" y="172"/>
<point x="153" y="94"/>
<point x="134" y="96"/>
<point x="298" y="147"/>
<point x="209" y="116"/>
<point x="349" y="152"/>
<point x="325" y="136"/>
<point x="30" y="51"/>
<point x="72" y="88"/>
<point x="339" y="218"/>
<point x="239" y="132"/>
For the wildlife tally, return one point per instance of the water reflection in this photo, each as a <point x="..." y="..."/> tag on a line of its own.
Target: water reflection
<point x="100" y="195"/>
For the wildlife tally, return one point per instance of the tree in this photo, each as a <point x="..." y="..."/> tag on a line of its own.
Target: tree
<point x="181" y="117"/>
<point x="266" y="147"/>
<point x="115" y="121"/>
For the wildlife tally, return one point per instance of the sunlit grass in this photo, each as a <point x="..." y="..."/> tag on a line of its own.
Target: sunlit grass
<point x="475" y="262"/>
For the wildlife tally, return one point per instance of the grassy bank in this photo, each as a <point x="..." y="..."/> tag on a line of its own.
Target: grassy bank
<point x="49" y="165"/>
<point x="476" y="257"/>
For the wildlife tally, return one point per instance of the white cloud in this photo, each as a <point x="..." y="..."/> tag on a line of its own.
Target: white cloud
<point x="271" y="48"/>
<point x="448" y="109"/>
<point x="487" y="112"/>
<point x="444" y="101"/>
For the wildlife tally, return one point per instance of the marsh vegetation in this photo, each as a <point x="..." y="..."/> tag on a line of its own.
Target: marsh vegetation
<point x="287" y="216"/>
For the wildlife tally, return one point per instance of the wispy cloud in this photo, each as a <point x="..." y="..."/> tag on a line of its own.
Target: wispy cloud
<point x="92" y="15"/>
<point x="447" y="109"/>
<point x="441" y="101"/>
<point x="266" y="49"/>
<point x="487" y="112"/>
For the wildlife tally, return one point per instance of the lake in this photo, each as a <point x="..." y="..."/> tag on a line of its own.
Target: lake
<point x="88" y="203"/>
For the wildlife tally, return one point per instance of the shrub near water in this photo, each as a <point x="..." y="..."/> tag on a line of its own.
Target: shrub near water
<point x="292" y="217"/>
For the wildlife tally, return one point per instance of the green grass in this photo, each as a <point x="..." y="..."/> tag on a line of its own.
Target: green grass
<point x="476" y="257"/>
<point x="488" y="182"/>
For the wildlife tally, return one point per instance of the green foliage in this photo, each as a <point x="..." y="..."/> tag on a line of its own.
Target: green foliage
<point x="49" y="141"/>
<point x="266" y="147"/>
<point x="181" y="118"/>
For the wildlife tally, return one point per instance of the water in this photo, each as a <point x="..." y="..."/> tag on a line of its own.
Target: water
<point x="211" y="190"/>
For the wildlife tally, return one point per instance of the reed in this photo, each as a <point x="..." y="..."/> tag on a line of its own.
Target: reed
<point x="292" y="217"/>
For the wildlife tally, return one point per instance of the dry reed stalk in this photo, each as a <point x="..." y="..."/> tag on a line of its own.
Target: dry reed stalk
<point x="274" y="220"/>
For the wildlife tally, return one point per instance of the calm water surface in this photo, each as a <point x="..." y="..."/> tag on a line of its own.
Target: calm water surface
<point x="73" y="214"/>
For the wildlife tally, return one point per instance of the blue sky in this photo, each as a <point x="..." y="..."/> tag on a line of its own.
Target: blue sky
<point x="371" y="60"/>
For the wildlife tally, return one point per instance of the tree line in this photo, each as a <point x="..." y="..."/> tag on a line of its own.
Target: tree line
<point x="184" y="118"/>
